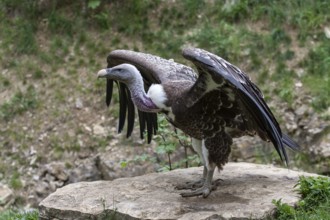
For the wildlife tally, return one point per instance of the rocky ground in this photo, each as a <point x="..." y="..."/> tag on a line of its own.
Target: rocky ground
<point x="245" y="191"/>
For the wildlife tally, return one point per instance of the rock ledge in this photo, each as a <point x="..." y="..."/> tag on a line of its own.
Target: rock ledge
<point x="246" y="192"/>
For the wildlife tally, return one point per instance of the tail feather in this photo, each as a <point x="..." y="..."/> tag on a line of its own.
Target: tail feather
<point x="290" y="143"/>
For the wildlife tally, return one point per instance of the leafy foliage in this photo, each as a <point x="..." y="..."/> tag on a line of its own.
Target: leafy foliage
<point x="314" y="191"/>
<point x="19" y="215"/>
<point x="314" y="203"/>
<point x="284" y="211"/>
<point x="168" y="140"/>
<point x="93" y="4"/>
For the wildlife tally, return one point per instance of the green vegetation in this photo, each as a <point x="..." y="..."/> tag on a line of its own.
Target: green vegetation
<point x="15" y="182"/>
<point x="315" y="202"/>
<point x="19" y="215"/>
<point x="253" y="34"/>
<point x="20" y="103"/>
<point x="318" y="78"/>
<point x="168" y="141"/>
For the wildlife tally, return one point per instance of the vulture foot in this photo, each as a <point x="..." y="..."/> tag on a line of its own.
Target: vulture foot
<point x="202" y="187"/>
<point x="204" y="191"/>
<point x="191" y="185"/>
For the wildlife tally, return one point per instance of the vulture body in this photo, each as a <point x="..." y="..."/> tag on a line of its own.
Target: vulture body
<point x="213" y="106"/>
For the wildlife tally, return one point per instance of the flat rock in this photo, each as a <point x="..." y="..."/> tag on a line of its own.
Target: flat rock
<point x="245" y="192"/>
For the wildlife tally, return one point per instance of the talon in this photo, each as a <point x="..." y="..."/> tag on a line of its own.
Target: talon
<point x="203" y="191"/>
<point x="191" y="185"/>
<point x="207" y="192"/>
<point x="217" y="182"/>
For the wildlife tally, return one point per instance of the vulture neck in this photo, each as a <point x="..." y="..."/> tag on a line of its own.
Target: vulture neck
<point x="139" y="97"/>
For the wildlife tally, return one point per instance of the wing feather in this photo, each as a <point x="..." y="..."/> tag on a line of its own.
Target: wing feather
<point x="130" y="114"/>
<point x="149" y="127"/>
<point x="215" y="73"/>
<point x="142" y="121"/>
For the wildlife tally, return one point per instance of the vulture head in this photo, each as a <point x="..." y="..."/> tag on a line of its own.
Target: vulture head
<point x="125" y="73"/>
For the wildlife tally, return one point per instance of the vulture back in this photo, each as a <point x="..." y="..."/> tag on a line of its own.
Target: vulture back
<point x="154" y="69"/>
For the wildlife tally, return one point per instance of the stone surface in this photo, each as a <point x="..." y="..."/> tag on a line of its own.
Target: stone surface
<point x="6" y="196"/>
<point x="321" y="143"/>
<point x="246" y="192"/>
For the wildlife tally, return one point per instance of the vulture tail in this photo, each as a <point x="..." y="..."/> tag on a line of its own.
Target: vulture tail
<point x="290" y="143"/>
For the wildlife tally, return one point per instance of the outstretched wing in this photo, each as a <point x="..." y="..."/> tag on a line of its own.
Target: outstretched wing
<point x="154" y="70"/>
<point x="216" y="75"/>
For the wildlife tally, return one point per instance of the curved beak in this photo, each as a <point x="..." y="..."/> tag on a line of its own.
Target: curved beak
<point x="103" y="73"/>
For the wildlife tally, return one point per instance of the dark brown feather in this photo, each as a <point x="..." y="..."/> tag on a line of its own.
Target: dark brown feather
<point x="255" y="112"/>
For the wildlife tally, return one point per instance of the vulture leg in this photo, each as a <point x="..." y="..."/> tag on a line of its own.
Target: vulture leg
<point x="207" y="186"/>
<point x="215" y="151"/>
<point x="197" y="146"/>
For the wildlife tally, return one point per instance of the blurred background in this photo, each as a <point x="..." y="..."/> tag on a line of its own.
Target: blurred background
<point x="55" y="128"/>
